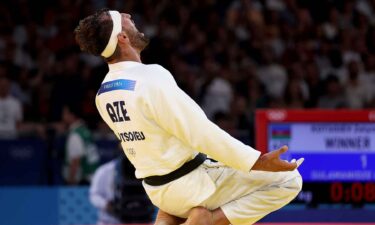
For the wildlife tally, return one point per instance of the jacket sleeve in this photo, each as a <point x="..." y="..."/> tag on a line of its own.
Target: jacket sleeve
<point x="176" y="113"/>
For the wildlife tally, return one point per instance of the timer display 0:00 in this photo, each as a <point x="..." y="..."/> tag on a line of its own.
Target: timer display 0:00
<point x="355" y="192"/>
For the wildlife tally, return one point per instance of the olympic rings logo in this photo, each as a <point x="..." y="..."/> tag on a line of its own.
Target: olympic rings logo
<point x="277" y="115"/>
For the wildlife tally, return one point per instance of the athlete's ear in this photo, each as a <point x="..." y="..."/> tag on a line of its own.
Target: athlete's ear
<point x="122" y="37"/>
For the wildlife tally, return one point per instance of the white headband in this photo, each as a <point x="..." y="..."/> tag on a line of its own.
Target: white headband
<point x="116" y="29"/>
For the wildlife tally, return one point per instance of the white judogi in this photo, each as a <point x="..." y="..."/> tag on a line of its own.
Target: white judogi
<point x="160" y="128"/>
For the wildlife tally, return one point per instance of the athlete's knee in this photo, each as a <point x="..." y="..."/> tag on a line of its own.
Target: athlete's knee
<point x="293" y="186"/>
<point x="299" y="183"/>
<point x="295" y="181"/>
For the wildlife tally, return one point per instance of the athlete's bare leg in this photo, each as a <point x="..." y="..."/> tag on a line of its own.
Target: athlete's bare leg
<point x="164" y="218"/>
<point x="219" y="217"/>
<point x="203" y="216"/>
<point x="197" y="216"/>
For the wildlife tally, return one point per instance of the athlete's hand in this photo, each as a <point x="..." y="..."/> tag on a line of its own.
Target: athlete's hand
<point x="271" y="162"/>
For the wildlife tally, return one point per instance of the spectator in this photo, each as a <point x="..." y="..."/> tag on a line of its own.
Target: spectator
<point x="293" y="95"/>
<point x="357" y="93"/>
<point x="81" y="156"/>
<point x="118" y="195"/>
<point x="215" y="92"/>
<point x="333" y="97"/>
<point x="272" y="75"/>
<point x="102" y="192"/>
<point x="314" y="84"/>
<point x="225" y="121"/>
<point x="336" y="67"/>
<point x="242" y="119"/>
<point x="205" y="44"/>
<point x="367" y="75"/>
<point x="10" y="110"/>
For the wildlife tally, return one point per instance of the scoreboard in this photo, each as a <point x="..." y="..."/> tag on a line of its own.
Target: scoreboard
<point x="333" y="150"/>
<point x="338" y="147"/>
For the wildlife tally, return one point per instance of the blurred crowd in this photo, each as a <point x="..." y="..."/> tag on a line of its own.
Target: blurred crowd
<point x="232" y="57"/>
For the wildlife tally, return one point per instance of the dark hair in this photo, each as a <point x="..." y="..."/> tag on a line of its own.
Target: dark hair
<point x="93" y="32"/>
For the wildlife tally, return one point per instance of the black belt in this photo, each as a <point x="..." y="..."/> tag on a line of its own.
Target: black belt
<point x="183" y="170"/>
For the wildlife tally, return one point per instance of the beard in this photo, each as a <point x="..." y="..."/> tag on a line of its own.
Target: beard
<point x="137" y="39"/>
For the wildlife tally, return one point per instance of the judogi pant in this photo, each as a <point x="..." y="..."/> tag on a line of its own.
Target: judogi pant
<point x="244" y="197"/>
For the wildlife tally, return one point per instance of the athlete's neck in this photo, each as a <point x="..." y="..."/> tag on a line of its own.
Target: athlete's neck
<point x="131" y="55"/>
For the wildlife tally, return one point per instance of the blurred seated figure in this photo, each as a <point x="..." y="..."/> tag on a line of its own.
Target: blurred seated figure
<point x="81" y="156"/>
<point x="11" y="113"/>
<point x="118" y="195"/>
<point x="102" y="192"/>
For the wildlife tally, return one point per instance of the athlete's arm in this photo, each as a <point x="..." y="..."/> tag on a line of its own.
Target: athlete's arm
<point x="179" y="115"/>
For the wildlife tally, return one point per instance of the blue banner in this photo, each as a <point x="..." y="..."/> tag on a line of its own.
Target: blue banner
<point x="121" y="84"/>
